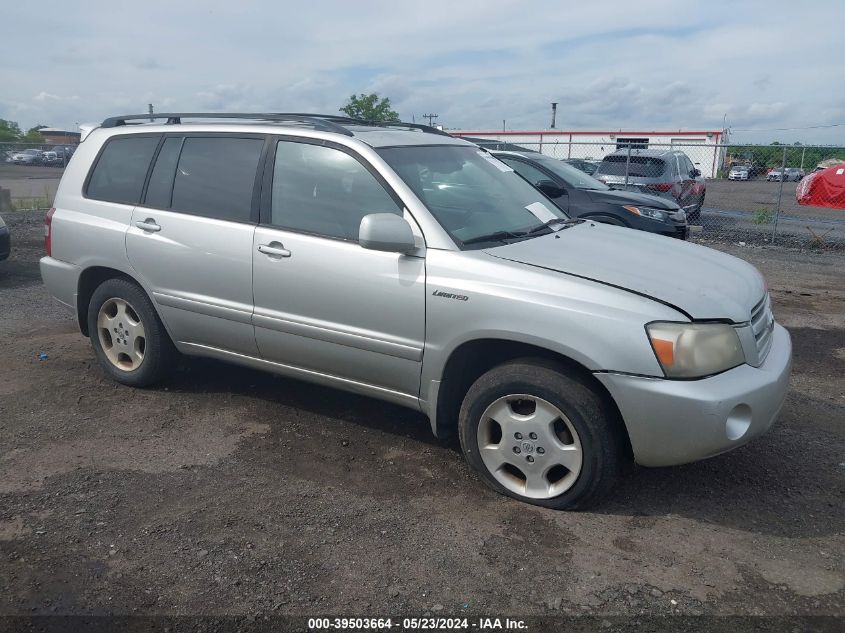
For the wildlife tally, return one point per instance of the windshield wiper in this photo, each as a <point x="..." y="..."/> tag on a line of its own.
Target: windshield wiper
<point x="564" y="222"/>
<point x="496" y="236"/>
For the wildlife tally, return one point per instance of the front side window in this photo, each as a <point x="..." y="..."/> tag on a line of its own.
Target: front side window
<point x="572" y="176"/>
<point x="324" y="191"/>
<point x="215" y="177"/>
<point x="121" y="169"/>
<point x="475" y="197"/>
<point x="531" y="174"/>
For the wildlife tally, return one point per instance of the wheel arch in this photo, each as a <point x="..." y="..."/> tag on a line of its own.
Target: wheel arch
<point x="472" y="358"/>
<point x="90" y="279"/>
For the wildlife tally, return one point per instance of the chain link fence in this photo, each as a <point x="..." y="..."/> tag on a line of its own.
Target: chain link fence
<point x="30" y="174"/>
<point x="736" y="193"/>
<point x="732" y="193"/>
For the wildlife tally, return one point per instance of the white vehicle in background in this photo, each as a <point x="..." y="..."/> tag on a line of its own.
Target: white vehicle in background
<point x="740" y="172"/>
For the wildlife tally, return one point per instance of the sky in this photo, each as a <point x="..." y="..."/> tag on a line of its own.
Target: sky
<point x="757" y="67"/>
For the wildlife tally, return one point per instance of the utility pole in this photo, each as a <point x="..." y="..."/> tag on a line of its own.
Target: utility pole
<point x="150" y="110"/>
<point x="554" y="113"/>
<point x="431" y="119"/>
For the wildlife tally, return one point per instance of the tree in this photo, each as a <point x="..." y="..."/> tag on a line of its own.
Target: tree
<point x="369" y="108"/>
<point x="33" y="135"/>
<point x="9" y="131"/>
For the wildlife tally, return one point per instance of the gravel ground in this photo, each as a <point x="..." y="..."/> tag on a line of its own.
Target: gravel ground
<point x="230" y="491"/>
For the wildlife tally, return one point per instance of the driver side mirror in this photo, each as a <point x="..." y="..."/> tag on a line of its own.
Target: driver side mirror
<point x="551" y="189"/>
<point x="696" y="173"/>
<point x="386" y="232"/>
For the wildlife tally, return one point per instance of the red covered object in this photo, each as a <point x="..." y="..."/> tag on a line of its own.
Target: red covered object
<point x="825" y="188"/>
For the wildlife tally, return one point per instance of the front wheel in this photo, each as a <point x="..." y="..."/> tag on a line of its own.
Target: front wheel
<point x="127" y="336"/>
<point x="542" y="436"/>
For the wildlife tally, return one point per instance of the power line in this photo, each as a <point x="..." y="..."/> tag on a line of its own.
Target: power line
<point x="431" y="118"/>
<point x="786" y="129"/>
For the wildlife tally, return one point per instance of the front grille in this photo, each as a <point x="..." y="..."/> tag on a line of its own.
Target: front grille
<point x="762" y="325"/>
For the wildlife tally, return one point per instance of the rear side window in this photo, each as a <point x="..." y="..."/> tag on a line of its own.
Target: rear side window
<point x="119" y="173"/>
<point x="640" y="166"/>
<point x="161" y="180"/>
<point x="215" y="177"/>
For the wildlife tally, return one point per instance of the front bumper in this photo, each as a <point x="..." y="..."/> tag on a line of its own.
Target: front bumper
<point x="669" y="229"/>
<point x="674" y="422"/>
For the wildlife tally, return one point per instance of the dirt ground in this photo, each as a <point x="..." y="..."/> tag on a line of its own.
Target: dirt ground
<point x="230" y="491"/>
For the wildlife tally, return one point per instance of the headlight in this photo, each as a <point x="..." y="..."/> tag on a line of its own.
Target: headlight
<point x="646" y="212"/>
<point x="693" y="350"/>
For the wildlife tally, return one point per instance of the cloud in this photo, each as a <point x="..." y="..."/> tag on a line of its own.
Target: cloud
<point x="148" y="63"/>
<point x="668" y="65"/>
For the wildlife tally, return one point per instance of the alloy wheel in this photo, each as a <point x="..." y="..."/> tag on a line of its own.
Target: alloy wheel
<point x="529" y="446"/>
<point x="121" y="334"/>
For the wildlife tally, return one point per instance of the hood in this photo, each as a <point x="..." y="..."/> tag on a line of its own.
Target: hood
<point x="699" y="281"/>
<point x="616" y="196"/>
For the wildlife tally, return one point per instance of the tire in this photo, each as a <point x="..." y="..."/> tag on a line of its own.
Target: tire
<point x="568" y="416"/>
<point x="134" y="349"/>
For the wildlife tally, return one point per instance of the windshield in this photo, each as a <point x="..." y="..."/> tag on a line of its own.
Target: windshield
<point x="471" y="193"/>
<point x="572" y="176"/>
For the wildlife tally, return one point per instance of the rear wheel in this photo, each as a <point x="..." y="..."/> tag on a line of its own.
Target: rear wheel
<point x="539" y="435"/>
<point x="127" y="335"/>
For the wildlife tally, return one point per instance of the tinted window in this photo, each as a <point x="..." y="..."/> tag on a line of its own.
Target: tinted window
<point x="324" y="191"/>
<point x="120" y="171"/>
<point x="635" y="143"/>
<point x="161" y="180"/>
<point x="641" y="166"/>
<point x="571" y="176"/>
<point x="215" y="177"/>
<point x="531" y="174"/>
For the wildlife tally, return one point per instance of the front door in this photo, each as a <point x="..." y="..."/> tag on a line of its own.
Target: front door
<point x="324" y="306"/>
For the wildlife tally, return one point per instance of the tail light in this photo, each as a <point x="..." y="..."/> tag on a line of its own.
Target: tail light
<point x="661" y="186"/>
<point x="48" y="232"/>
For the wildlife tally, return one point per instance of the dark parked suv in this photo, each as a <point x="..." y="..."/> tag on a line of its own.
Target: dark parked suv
<point x="666" y="173"/>
<point x="581" y="196"/>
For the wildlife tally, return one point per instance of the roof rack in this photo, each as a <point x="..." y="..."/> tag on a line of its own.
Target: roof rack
<point x="175" y="118"/>
<point x="322" y="122"/>
<point x="335" y="118"/>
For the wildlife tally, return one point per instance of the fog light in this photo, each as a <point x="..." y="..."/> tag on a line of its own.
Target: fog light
<point x="738" y="421"/>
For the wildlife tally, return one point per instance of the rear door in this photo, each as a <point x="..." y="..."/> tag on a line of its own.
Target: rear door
<point x="190" y="240"/>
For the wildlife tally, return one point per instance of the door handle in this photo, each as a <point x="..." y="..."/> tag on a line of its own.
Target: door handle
<point x="274" y="249"/>
<point x="148" y="225"/>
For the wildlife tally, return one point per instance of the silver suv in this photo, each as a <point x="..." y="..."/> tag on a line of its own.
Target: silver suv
<point x="399" y="262"/>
